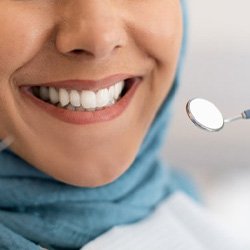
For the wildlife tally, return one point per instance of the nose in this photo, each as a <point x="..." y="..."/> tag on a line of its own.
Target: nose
<point x="89" y="27"/>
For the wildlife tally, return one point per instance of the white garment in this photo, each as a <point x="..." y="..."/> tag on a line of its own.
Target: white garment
<point x="179" y="223"/>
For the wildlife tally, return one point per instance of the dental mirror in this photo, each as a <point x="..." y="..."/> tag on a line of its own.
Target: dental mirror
<point x="207" y="116"/>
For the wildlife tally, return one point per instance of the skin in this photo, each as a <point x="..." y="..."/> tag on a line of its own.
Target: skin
<point x="54" y="40"/>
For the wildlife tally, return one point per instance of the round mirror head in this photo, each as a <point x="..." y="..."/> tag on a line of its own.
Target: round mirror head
<point x="205" y="114"/>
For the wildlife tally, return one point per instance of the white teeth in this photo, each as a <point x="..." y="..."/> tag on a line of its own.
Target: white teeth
<point x="81" y="100"/>
<point x="102" y="98"/>
<point x="53" y="95"/>
<point x="75" y="98"/>
<point x="63" y="97"/>
<point x="88" y="99"/>
<point x="118" y="89"/>
<point x="112" y="92"/>
<point x="44" y="93"/>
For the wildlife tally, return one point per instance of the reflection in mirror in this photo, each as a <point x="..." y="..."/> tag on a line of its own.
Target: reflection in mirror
<point x="205" y="114"/>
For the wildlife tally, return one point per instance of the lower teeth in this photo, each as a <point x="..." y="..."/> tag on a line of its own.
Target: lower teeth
<point x="72" y="108"/>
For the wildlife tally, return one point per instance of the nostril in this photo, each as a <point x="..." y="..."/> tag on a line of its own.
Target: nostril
<point x="80" y="52"/>
<point x="77" y="51"/>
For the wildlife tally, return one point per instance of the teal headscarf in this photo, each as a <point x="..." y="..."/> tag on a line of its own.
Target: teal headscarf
<point x="37" y="210"/>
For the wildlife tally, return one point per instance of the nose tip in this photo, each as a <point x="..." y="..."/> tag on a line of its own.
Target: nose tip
<point x="97" y="36"/>
<point x="96" y="43"/>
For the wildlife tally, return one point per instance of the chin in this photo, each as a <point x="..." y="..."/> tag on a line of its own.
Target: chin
<point x="97" y="180"/>
<point x="91" y="177"/>
<point x="90" y="170"/>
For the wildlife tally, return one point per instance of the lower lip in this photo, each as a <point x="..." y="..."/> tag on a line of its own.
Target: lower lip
<point x="83" y="117"/>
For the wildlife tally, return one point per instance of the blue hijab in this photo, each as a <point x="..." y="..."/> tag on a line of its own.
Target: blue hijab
<point x="37" y="210"/>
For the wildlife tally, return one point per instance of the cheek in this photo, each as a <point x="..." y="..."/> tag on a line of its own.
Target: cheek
<point x="159" y="33"/>
<point x="158" y="30"/>
<point x="22" y="35"/>
<point x="23" y="32"/>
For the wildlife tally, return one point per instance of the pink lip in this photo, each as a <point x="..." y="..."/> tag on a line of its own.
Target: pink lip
<point x="83" y="117"/>
<point x="86" y="84"/>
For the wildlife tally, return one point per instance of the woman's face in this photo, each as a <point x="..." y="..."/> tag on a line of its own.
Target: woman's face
<point x="45" y="42"/>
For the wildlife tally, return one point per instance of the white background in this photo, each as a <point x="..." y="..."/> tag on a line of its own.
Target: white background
<point x="217" y="68"/>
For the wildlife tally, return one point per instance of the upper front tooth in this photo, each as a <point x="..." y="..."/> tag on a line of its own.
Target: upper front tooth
<point x="102" y="98"/>
<point x="63" y="97"/>
<point x="118" y="88"/>
<point x="88" y="99"/>
<point x="75" y="98"/>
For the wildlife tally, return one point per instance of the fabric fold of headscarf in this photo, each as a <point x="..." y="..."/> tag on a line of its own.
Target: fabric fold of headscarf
<point x="37" y="210"/>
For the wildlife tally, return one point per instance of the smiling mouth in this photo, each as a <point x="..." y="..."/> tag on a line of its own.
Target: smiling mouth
<point x="82" y="100"/>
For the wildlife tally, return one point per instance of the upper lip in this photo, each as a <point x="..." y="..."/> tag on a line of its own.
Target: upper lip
<point x="88" y="84"/>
